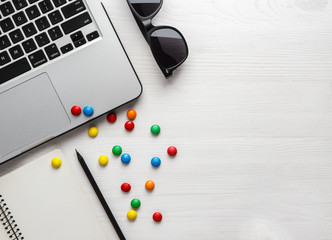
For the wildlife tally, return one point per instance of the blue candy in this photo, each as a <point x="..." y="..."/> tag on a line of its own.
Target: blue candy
<point x="125" y="158"/>
<point x="88" y="110"/>
<point x="155" y="161"/>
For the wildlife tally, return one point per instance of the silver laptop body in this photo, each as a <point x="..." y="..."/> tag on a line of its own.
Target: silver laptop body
<point x="77" y="60"/>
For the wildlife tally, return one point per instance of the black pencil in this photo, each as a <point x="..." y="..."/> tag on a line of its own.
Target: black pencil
<point x="100" y="196"/>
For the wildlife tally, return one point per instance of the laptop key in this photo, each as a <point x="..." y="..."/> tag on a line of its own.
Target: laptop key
<point x="66" y="48"/>
<point x="76" y="23"/>
<point x="55" y="33"/>
<point x="14" y="69"/>
<point x="16" y="36"/>
<point x="59" y="3"/>
<point x="73" y="9"/>
<point x="92" y="36"/>
<point x="20" y="18"/>
<point x="76" y="36"/>
<point x="29" y="45"/>
<point x="6" y="25"/>
<point x="55" y="17"/>
<point x="6" y="8"/>
<point x="42" y="39"/>
<point x="4" y="58"/>
<point x="19" y="4"/>
<point x="4" y="42"/>
<point x="52" y="51"/>
<point x="37" y="58"/>
<point x="42" y="23"/>
<point x="45" y="6"/>
<point x="80" y="42"/>
<point x="16" y="52"/>
<point x="29" y="30"/>
<point x="32" y="12"/>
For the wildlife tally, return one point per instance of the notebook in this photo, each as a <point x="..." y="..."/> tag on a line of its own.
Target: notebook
<point x="40" y="202"/>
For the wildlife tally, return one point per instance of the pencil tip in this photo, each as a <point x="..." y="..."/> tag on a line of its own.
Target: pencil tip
<point x="78" y="154"/>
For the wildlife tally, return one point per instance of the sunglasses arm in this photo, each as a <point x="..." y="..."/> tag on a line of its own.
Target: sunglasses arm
<point x="145" y="26"/>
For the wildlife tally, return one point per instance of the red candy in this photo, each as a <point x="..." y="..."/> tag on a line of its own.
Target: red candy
<point x="76" y="110"/>
<point x="157" y="216"/>
<point x="172" y="151"/>
<point x="125" y="187"/>
<point x="111" y="117"/>
<point x="129" y="125"/>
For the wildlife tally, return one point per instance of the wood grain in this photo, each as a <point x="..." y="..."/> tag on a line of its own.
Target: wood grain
<point x="250" y="112"/>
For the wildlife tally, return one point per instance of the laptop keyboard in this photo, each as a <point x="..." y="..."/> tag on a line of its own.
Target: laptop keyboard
<point x="33" y="32"/>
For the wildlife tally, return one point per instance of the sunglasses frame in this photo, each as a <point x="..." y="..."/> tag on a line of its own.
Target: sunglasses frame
<point x="147" y="28"/>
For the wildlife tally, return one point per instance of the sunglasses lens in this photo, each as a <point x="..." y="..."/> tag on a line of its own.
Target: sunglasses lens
<point x="145" y="8"/>
<point x="169" y="47"/>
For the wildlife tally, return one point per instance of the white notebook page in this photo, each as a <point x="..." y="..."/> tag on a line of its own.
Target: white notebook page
<point x="48" y="203"/>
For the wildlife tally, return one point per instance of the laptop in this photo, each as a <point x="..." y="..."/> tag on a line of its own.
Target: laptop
<point x="56" y="54"/>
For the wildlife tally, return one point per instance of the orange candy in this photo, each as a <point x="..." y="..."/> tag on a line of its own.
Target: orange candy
<point x="149" y="185"/>
<point x="131" y="114"/>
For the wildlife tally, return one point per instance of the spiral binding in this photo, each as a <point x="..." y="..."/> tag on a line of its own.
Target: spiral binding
<point x="8" y="222"/>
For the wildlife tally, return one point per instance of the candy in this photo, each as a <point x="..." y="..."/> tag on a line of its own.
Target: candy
<point x="131" y="114"/>
<point x="155" y="129"/>
<point x="135" y="203"/>
<point x="88" y="110"/>
<point x="157" y="216"/>
<point x="56" y="162"/>
<point x="111" y="117"/>
<point x="76" y="110"/>
<point x="129" y="125"/>
<point x="155" y="161"/>
<point x="93" y="132"/>
<point x="125" y="187"/>
<point x="117" y="150"/>
<point x="125" y="158"/>
<point x="149" y="185"/>
<point x="103" y="160"/>
<point x="132" y="215"/>
<point x="172" y="151"/>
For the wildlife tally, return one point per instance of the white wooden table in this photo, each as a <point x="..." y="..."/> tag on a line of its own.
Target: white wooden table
<point x="250" y="113"/>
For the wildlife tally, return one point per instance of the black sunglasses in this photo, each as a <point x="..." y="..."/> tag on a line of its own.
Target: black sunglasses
<point x="167" y="44"/>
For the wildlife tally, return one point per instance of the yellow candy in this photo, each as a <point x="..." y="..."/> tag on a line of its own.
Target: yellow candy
<point x="132" y="215"/>
<point x="93" y="132"/>
<point x="103" y="160"/>
<point x="56" y="162"/>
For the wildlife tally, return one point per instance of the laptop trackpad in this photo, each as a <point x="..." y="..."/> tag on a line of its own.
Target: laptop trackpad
<point x="30" y="112"/>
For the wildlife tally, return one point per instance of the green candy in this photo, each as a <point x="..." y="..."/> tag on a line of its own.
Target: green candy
<point x="155" y="129"/>
<point x="117" y="150"/>
<point x="135" y="203"/>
